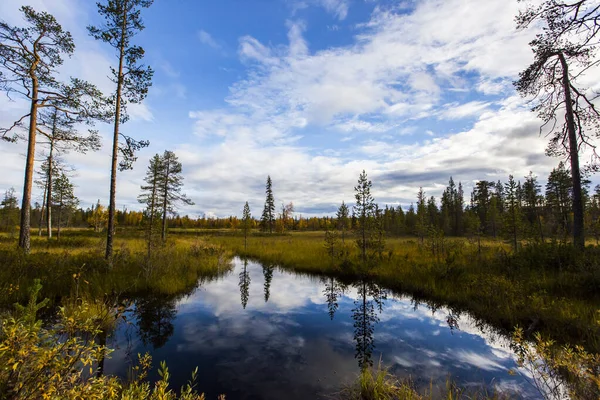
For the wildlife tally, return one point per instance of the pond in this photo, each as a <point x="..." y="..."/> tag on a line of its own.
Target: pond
<point x="260" y="332"/>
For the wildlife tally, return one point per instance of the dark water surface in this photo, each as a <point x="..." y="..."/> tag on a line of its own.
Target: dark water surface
<point x="263" y="333"/>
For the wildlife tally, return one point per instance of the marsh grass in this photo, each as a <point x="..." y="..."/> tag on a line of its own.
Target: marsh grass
<point x="75" y="267"/>
<point x="379" y="384"/>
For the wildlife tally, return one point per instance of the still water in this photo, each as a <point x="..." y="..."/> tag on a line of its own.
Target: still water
<point x="259" y="332"/>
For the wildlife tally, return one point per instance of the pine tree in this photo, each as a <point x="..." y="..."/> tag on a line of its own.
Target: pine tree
<point x="563" y="50"/>
<point x="29" y="59"/>
<point x="122" y="22"/>
<point x="268" y="216"/>
<point x="364" y="210"/>
<point x="170" y="189"/>
<point x="246" y="223"/>
<point x="64" y="200"/>
<point x="151" y="197"/>
<point x="60" y="135"/>
<point x="50" y="169"/>
<point x="342" y="219"/>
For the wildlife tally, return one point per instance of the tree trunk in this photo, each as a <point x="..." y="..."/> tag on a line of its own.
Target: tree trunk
<point x="115" y="150"/>
<point x="24" y="233"/>
<point x="60" y="207"/>
<point x="578" y="232"/>
<point x="41" y="223"/>
<point x="165" y="201"/>
<point x="49" y="188"/>
<point x="152" y="211"/>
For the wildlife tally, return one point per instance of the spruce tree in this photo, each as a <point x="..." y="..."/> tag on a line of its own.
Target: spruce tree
<point x="246" y="223"/>
<point x="268" y="216"/>
<point x="342" y="219"/>
<point x="122" y="21"/>
<point x="421" y="226"/>
<point x="64" y="200"/>
<point x="533" y="200"/>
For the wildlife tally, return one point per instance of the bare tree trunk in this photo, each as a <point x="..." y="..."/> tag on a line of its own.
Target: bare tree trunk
<point x="24" y="233"/>
<point x="115" y="150"/>
<point x="41" y="222"/>
<point x="58" y="222"/>
<point x="578" y="232"/>
<point x="49" y="187"/>
<point x="165" y="201"/>
<point x="152" y="211"/>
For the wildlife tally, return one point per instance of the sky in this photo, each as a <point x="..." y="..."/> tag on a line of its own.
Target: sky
<point x="310" y="92"/>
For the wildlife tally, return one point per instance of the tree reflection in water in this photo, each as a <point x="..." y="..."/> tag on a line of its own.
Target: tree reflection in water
<point x="333" y="291"/>
<point x="366" y="306"/>
<point x="245" y="284"/>
<point x="155" y="315"/>
<point x="268" y="275"/>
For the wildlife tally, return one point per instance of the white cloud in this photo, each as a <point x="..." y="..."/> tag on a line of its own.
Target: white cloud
<point x="339" y="8"/>
<point x="207" y="39"/>
<point x="470" y="109"/>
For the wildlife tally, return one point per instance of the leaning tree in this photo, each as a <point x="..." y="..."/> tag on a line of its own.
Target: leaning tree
<point x="564" y="51"/>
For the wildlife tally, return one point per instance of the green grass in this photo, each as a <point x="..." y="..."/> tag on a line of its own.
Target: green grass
<point x="75" y="267"/>
<point x="548" y="288"/>
<point x="378" y="384"/>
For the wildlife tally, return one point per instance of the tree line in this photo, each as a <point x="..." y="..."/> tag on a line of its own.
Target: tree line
<point x="514" y="210"/>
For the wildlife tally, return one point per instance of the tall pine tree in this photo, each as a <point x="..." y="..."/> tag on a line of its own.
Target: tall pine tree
<point x="171" y="186"/>
<point x="122" y="21"/>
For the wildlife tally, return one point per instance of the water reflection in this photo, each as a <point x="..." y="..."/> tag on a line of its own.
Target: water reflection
<point x="245" y="284"/>
<point x="300" y="336"/>
<point x="333" y="290"/>
<point x="366" y="307"/>
<point x="155" y="315"/>
<point x="268" y="277"/>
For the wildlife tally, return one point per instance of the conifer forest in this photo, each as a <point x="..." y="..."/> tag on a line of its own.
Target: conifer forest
<point x="299" y="199"/>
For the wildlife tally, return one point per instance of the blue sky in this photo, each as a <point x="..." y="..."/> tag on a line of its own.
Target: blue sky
<point x="311" y="92"/>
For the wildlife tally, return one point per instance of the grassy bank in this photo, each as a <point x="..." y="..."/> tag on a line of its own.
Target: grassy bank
<point x="75" y="266"/>
<point x="547" y="288"/>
